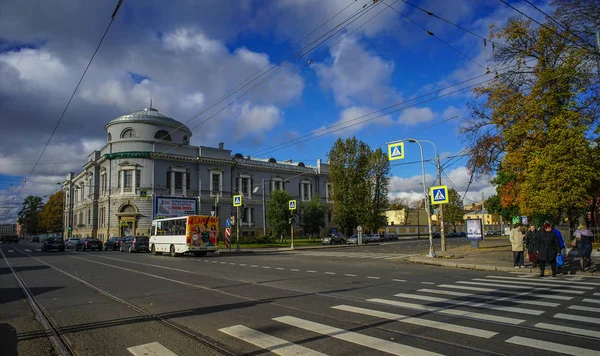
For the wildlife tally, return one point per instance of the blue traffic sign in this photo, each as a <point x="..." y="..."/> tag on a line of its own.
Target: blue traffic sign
<point x="227" y="223"/>
<point x="439" y="194"/>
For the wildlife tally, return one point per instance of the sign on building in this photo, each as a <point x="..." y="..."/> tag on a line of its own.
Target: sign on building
<point x="174" y="207"/>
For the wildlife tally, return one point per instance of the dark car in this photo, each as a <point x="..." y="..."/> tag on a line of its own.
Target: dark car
<point x="89" y="243"/>
<point x="35" y="239"/>
<point x="114" y="243"/>
<point x="135" y="244"/>
<point x="9" y="239"/>
<point x="53" y="243"/>
<point x="335" y="238"/>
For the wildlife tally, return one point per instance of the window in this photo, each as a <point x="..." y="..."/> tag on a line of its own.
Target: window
<point x="128" y="133"/>
<point x="277" y="184"/>
<point x="162" y="135"/>
<point x="102" y="216"/>
<point x="89" y="216"/>
<point x="75" y="195"/>
<point x="215" y="183"/>
<point x="171" y="227"/>
<point x="103" y="183"/>
<point x="306" y="190"/>
<point x="329" y="192"/>
<point x="248" y="215"/>
<point x="178" y="180"/>
<point x="128" y="179"/>
<point x="90" y="188"/>
<point x="109" y="137"/>
<point x="81" y="218"/>
<point x="186" y="140"/>
<point x="245" y="186"/>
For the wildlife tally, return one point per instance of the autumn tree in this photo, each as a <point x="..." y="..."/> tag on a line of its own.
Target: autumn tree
<point x="311" y="216"/>
<point x="51" y="215"/>
<point x="534" y="124"/>
<point x="403" y="207"/>
<point x="29" y="215"/>
<point x="454" y="210"/>
<point x="278" y="213"/>
<point x="379" y="180"/>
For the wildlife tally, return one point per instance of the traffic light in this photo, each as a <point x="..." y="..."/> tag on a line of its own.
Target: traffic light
<point x="70" y="228"/>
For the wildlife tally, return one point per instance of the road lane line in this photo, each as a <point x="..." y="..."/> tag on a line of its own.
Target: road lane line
<point x="587" y="309"/>
<point x="399" y="280"/>
<point x="215" y="261"/>
<point x="568" y="329"/>
<point x="455" y="312"/>
<point x="329" y="272"/>
<point x="151" y="349"/>
<point x="578" y="318"/>
<point x="427" y="283"/>
<point x="592" y="300"/>
<point x="469" y="303"/>
<point x="596" y="294"/>
<point x="255" y="266"/>
<point x="38" y="249"/>
<point x="223" y="263"/>
<point x="294" y="269"/>
<point x="11" y="250"/>
<point x="418" y="321"/>
<point x="241" y="264"/>
<point x="310" y="271"/>
<point x="231" y="263"/>
<point x="27" y="250"/>
<point x="522" y="287"/>
<point x="553" y="281"/>
<point x="551" y="346"/>
<point x="274" y="344"/>
<point x="393" y="348"/>
<point x="485" y="296"/>
<point x="349" y="275"/>
<point x="502" y="291"/>
<point x="533" y="283"/>
<point x="280" y="268"/>
<point x="371" y="277"/>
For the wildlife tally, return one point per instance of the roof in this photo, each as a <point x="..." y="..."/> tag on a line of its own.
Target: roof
<point x="151" y="116"/>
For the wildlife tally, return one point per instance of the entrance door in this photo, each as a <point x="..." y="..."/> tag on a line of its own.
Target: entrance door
<point x="127" y="229"/>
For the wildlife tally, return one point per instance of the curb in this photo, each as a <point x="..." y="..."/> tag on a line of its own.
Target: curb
<point x="287" y="249"/>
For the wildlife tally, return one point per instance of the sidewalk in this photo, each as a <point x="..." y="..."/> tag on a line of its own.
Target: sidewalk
<point x="494" y="254"/>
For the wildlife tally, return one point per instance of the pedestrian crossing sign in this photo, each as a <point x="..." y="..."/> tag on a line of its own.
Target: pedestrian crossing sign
<point x="439" y="194"/>
<point x="292" y="204"/>
<point x="237" y="200"/>
<point x="396" y="151"/>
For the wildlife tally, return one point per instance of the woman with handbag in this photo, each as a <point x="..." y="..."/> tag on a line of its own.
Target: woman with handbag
<point x="548" y="247"/>
<point x="530" y="242"/>
<point x="582" y="239"/>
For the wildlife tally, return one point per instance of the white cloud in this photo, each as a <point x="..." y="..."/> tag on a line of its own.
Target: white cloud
<point x="257" y="120"/>
<point x="415" y="116"/>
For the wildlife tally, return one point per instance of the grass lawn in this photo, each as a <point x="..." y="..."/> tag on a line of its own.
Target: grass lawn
<point x="287" y="243"/>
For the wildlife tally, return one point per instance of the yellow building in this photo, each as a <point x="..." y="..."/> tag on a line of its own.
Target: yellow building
<point x="488" y="219"/>
<point x="415" y="217"/>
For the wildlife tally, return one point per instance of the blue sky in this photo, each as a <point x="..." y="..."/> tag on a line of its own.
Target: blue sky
<point x="188" y="55"/>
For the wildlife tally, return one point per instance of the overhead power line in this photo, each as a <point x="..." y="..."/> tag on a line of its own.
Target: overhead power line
<point x="112" y="19"/>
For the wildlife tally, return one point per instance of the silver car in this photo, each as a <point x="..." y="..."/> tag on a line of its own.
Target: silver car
<point x="71" y="242"/>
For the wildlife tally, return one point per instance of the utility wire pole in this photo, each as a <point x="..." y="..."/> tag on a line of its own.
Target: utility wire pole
<point x="441" y="220"/>
<point x="598" y="51"/>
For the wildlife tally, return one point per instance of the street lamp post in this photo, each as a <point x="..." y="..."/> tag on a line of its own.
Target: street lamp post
<point x="431" y="249"/>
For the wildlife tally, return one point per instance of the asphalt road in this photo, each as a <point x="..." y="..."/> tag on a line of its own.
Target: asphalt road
<point x="340" y="301"/>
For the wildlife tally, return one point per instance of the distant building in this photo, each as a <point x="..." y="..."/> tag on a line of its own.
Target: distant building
<point x="148" y="170"/>
<point x="8" y="229"/>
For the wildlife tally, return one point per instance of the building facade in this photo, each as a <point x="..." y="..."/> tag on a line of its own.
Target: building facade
<point x="8" y="229"/>
<point x="148" y="170"/>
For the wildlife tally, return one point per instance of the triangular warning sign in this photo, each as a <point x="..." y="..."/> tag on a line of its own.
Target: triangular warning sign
<point x="237" y="200"/>
<point x="396" y="151"/>
<point x="439" y="195"/>
<point x="292" y="204"/>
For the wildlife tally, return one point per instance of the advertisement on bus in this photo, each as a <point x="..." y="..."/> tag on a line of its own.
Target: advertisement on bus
<point x="203" y="231"/>
<point x="166" y="207"/>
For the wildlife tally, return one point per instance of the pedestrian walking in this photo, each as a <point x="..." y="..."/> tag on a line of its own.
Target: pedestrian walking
<point x="530" y="242"/>
<point x="548" y="247"/>
<point x="584" y="238"/>
<point x="516" y="242"/>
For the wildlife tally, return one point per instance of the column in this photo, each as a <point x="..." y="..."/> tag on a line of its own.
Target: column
<point x="122" y="173"/>
<point x="134" y="181"/>
<point x="172" y="183"/>
<point x="184" y="184"/>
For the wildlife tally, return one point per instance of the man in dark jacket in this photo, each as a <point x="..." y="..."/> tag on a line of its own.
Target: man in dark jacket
<point x="531" y="243"/>
<point x="548" y="247"/>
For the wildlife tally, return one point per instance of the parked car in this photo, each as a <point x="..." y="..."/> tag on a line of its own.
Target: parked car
<point x="89" y="243"/>
<point x="335" y="238"/>
<point x="53" y="243"/>
<point x="352" y="240"/>
<point x="367" y="238"/>
<point x="135" y="244"/>
<point x="72" y="242"/>
<point x="114" y="243"/>
<point x="9" y="239"/>
<point x="35" y="239"/>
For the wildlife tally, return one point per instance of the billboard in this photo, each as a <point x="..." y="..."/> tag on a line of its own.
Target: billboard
<point x="165" y="207"/>
<point x="474" y="230"/>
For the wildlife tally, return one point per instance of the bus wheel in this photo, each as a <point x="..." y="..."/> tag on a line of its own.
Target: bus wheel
<point x="153" y="249"/>
<point x="172" y="251"/>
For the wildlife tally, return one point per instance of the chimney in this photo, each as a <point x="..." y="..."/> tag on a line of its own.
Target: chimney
<point x="221" y="145"/>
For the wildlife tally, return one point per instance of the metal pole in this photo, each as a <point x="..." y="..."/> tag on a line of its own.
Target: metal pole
<point x="264" y="216"/>
<point x="292" y="230"/>
<point x="431" y="249"/>
<point x="237" y="227"/>
<point x="598" y="50"/>
<point x="441" y="221"/>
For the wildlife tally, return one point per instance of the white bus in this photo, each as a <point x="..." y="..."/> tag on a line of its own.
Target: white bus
<point x="186" y="234"/>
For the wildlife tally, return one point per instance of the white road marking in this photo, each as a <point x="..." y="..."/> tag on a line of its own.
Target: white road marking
<point x="241" y="264"/>
<point x="310" y="271"/>
<point x="439" y="310"/>
<point x="579" y="318"/>
<point x="554" y="281"/>
<point x="592" y="300"/>
<point x="266" y="267"/>
<point x="587" y="309"/>
<point x="427" y="283"/>
<point x="393" y="348"/>
<point x="535" y="283"/>
<point x="568" y="329"/>
<point x="469" y="303"/>
<point x="231" y="263"/>
<point x="294" y="269"/>
<point x="253" y="266"/>
<point x="349" y="275"/>
<point x="418" y="321"/>
<point x="559" y="290"/>
<point x="329" y="272"/>
<point x="371" y="277"/>
<point x="38" y="249"/>
<point x="215" y="261"/>
<point x="501" y="291"/>
<point x="596" y="294"/>
<point x="151" y="349"/>
<point x="399" y="280"/>
<point x="485" y="296"/>
<point x="551" y="346"/>
<point x="27" y="250"/>
<point x="223" y="263"/>
<point x="280" y="268"/>
<point x="11" y="250"/>
<point x="268" y="342"/>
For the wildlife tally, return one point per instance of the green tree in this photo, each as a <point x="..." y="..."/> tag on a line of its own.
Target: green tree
<point x="379" y="180"/>
<point x="311" y="217"/>
<point x="349" y="172"/>
<point x="403" y="208"/>
<point x="454" y="210"/>
<point x="29" y="214"/>
<point x="278" y="213"/>
<point x="533" y="128"/>
<point x="51" y="215"/>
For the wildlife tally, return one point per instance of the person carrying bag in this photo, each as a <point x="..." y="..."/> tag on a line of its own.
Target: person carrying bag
<point x="530" y="243"/>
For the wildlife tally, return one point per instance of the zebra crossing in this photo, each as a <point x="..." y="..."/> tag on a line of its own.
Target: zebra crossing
<point x="377" y="256"/>
<point x="555" y="313"/>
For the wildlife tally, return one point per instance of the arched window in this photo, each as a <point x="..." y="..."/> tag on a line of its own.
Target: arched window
<point x="109" y="138"/>
<point x="186" y="140"/>
<point x="162" y="135"/>
<point x="128" y="133"/>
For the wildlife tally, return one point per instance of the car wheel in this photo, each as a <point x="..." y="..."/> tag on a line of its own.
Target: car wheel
<point x="172" y="251"/>
<point x="129" y="250"/>
<point x="105" y="248"/>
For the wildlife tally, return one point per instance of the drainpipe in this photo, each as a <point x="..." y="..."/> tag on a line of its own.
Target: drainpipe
<point x="109" y="191"/>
